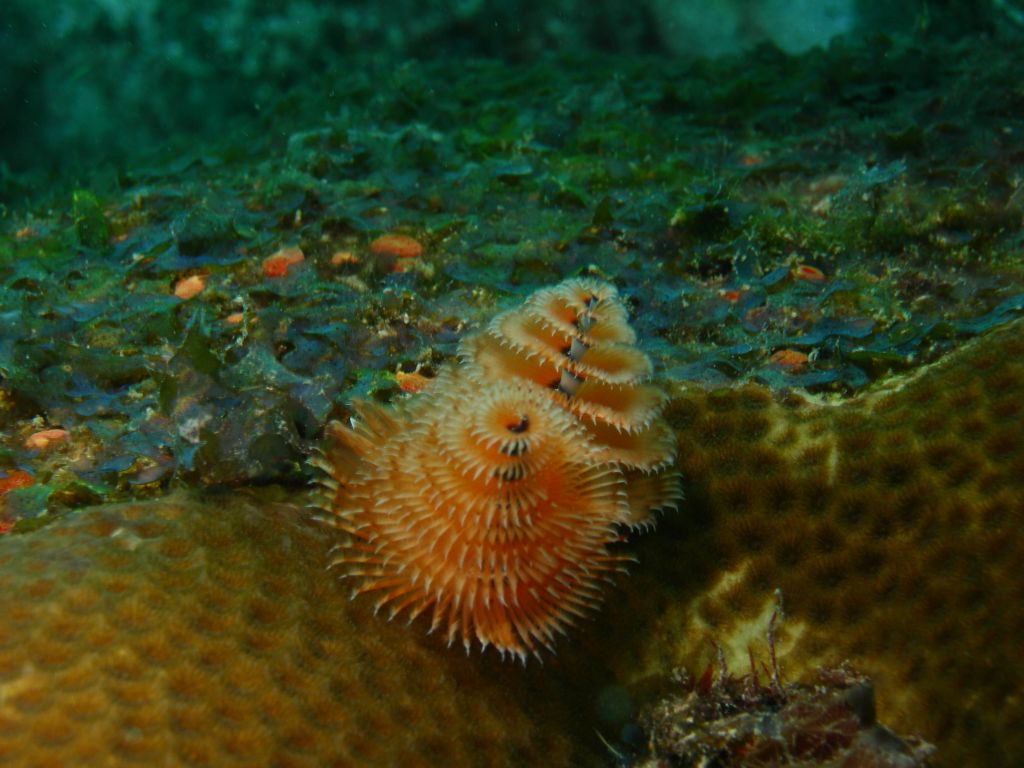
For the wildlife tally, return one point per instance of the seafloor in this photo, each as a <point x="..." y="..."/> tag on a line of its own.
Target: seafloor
<point x="821" y="253"/>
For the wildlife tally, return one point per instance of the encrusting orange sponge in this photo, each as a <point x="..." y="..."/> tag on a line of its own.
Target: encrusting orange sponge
<point x="490" y="500"/>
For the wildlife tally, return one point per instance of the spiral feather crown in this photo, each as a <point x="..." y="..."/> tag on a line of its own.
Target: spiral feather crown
<point x="490" y="502"/>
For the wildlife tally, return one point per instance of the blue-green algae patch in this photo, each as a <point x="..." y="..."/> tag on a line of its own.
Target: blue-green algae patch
<point x="818" y="222"/>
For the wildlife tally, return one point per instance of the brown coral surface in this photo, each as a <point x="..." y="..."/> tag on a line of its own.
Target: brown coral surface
<point x="491" y="501"/>
<point x="180" y="632"/>
<point x="890" y="522"/>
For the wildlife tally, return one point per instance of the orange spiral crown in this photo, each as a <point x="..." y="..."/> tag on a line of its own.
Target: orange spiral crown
<point x="491" y="500"/>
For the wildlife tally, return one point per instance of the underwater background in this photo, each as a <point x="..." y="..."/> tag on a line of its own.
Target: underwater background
<point x="221" y="223"/>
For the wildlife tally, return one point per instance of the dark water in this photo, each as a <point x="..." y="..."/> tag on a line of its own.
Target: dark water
<point x="84" y="83"/>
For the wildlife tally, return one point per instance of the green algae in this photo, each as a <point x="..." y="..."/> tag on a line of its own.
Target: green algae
<point x="91" y="226"/>
<point x="702" y="189"/>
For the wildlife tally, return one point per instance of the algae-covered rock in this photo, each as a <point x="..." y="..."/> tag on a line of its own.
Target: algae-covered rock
<point x="91" y="226"/>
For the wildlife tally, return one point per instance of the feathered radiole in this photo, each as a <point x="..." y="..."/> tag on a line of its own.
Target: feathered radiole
<point x="490" y="501"/>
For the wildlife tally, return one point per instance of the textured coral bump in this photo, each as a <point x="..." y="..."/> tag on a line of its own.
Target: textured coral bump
<point x="489" y="502"/>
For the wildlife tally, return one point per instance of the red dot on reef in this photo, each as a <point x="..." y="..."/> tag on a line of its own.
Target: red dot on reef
<point x="344" y="257"/>
<point x="790" y="359"/>
<point x="15" y="479"/>
<point x="278" y="264"/>
<point x="732" y="296"/>
<point x="411" y="382"/>
<point x="809" y="273"/>
<point x="402" y="246"/>
<point x="189" y="287"/>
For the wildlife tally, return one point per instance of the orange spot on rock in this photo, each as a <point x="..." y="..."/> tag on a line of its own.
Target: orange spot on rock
<point x="809" y="273"/>
<point x="189" y="287"/>
<point x="411" y="382"/>
<point x="732" y="296"/>
<point x="790" y="359"/>
<point x="344" y="257"/>
<point x="279" y="264"/>
<point x="40" y="441"/>
<point x="402" y="246"/>
<point x="15" y="479"/>
<point x="24" y="233"/>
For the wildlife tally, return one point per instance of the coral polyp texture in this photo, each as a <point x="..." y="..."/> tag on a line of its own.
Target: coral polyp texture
<point x="190" y="633"/>
<point x="492" y="501"/>
<point x="889" y="521"/>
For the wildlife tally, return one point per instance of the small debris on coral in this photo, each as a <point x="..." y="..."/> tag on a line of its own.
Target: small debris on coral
<point x="727" y="720"/>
